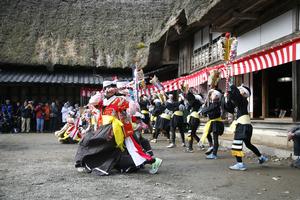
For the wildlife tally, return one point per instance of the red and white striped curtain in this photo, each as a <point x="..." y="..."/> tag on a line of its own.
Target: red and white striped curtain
<point x="274" y="56"/>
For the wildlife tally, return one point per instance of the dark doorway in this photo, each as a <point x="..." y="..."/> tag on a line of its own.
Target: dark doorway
<point x="280" y="90"/>
<point x="257" y="94"/>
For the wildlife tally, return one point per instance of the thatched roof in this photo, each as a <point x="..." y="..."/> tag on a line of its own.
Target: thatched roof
<point x="183" y="12"/>
<point x="77" y="32"/>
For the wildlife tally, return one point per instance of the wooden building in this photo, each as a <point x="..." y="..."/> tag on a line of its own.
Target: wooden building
<point x="73" y="84"/>
<point x="52" y="49"/>
<point x="268" y="54"/>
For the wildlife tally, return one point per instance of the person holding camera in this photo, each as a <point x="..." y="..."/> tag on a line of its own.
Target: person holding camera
<point x="26" y="111"/>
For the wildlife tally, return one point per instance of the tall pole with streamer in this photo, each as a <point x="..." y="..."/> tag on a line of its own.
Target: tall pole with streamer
<point x="228" y="46"/>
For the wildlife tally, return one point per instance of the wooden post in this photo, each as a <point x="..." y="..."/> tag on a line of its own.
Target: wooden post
<point x="264" y="96"/>
<point x="296" y="90"/>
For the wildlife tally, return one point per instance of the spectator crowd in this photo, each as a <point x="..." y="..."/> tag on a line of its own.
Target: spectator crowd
<point x="33" y="116"/>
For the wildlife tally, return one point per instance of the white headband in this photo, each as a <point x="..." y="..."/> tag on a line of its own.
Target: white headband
<point x="244" y="90"/>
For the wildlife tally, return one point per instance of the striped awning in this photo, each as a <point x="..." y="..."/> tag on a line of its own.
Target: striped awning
<point x="82" y="78"/>
<point x="272" y="57"/>
<point x="275" y="56"/>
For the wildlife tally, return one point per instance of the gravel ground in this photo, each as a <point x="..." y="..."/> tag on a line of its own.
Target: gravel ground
<point x="36" y="166"/>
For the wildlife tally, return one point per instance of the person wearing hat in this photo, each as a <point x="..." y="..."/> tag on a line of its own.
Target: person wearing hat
<point x="214" y="125"/>
<point x="237" y="98"/>
<point x="114" y="145"/>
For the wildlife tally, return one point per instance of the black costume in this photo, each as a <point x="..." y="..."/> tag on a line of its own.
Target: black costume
<point x="98" y="154"/>
<point x="213" y="111"/>
<point x="162" y="120"/>
<point x="144" y="110"/>
<point x="194" y="118"/>
<point x="243" y="132"/>
<point x="177" y="119"/>
<point x="296" y="140"/>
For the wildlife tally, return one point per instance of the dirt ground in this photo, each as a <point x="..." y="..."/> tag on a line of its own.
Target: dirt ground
<point x="36" y="166"/>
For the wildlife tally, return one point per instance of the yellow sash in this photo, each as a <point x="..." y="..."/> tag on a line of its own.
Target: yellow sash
<point x="153" y="118"/>
<point x="145" y="112"/>
<point x="193" y="114"/>
<point x="244" y="119"/>
<point x="207" y="127"/>
<point x="93" y="120"/>
<point x="64" y="136"/>
<point x="165" y="116"/>
<point x="178" y="113"/>
<point x="117" y="129"/>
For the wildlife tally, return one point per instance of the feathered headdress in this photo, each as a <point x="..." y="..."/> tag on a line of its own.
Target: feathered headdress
<point x="213" y="78"/>
<point x="156" y="83"/>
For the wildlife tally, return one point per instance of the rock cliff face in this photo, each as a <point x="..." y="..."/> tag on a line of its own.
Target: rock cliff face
<point x="193" y="11"/>
<point x="77" y="32"/>
<point x="92" y="33"/>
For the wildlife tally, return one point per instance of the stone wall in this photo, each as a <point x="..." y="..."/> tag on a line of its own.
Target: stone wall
<point x="77" y="32"/>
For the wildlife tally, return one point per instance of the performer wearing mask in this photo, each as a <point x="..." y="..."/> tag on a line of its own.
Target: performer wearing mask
<point x="215" y="124"/>
<point x="237" y="98"/>
<point x="177" y="119"/>
<point x="113" y="145"/>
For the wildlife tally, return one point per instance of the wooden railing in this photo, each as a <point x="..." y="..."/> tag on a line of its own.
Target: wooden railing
<point x="206" y="55"/>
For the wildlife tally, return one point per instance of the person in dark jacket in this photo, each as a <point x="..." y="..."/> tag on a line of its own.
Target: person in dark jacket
<point x="215" y="124"/>
<point x="144" y="104"/>
<point x="294" y="134"/>
<point x="7" y="112"/>
<point x="26" y="112"/>
<point x="53" y="117"/>
<point x="162" y="122"/>
<point x="177" y="120"/>
<point x="237" y="98"/>
<point x="17" y="118"/>
<point x="194" y="104"/>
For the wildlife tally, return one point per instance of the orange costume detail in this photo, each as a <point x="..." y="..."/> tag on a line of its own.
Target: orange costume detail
<point x="117" y="108"/>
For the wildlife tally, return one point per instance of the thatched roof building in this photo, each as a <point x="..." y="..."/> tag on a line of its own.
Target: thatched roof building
<point x="77" y="32"/>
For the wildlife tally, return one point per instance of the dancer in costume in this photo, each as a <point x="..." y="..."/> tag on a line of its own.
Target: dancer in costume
<point x="177" y="119"/>
<point x="162" y="122"/>
<point x="139" y="127"/>
<point x="153" y="118"/>
<point x="144" y="104"/>
<point x="215" y="124"/>
<point x="112" y="145"/>
<point x="194" y="104"/>
<point x="237" y="98"/>
<point x="70" y="133"/>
